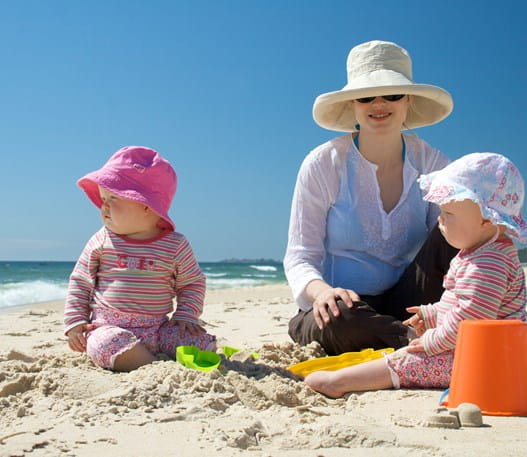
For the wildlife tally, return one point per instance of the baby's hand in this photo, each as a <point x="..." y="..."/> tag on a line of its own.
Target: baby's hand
<point x="77" y="338"/>
<point x="416" y="321"/>
<point x="416" y="346"/>
<point x="193" y="329"/>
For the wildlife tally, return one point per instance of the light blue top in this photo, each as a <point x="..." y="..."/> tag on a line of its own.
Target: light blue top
<point x="367" y="249"/>
<point x="339" y="230"/>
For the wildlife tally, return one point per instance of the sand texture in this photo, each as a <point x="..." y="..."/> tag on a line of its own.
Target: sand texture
<point x="54" y="402"/>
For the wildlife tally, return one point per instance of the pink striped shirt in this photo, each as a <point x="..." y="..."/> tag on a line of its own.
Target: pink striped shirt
<point x="487" y="283"/>
<point x="136" y="276"/>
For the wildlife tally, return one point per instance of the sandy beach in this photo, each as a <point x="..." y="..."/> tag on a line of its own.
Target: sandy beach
<point x="56" y="403"/>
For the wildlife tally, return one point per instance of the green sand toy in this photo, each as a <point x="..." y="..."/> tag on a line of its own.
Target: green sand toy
<point x="229" y="351"/>
<point x="195" y="358"/>
<point x="338" y="361"/>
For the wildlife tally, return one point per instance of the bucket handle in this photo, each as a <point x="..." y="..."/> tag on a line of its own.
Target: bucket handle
<point x="442" y="401"/>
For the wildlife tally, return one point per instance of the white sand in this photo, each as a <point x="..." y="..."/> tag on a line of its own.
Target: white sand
<point x="54" y="402"/>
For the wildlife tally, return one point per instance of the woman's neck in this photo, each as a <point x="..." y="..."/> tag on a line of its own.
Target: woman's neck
<point x="382" y="150"/>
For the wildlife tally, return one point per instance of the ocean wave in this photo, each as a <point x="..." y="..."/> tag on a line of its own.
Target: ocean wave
<point x="215" y="275"/>
<point x="26" y="293"/>
<point x="263" y="267"/>
<point x="228" y="283"/>
<point x="258" y="275"/>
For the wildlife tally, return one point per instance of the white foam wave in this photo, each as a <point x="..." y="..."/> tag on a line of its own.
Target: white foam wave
<point x="228" y="283"/>
<point x="214" y="275"/>
<point x="258" y="275"/>
<point x="26" y="293"/>
<point x="263" y="267"/>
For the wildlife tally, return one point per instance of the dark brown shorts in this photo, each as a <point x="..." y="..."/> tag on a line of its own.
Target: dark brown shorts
<point x="375" y="321"/>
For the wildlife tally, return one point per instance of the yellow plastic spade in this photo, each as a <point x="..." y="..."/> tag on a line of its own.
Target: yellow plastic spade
<point x="337" y="361"/>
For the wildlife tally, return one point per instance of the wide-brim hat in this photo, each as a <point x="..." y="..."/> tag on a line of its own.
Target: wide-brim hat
<point x="379" y="68"/>
<point x="138" y="174"/>
<point x="490" y="180"/>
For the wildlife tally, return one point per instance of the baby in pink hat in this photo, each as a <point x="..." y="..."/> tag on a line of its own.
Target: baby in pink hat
<point x="480" y="197"/>
<point x="123" y="286"/>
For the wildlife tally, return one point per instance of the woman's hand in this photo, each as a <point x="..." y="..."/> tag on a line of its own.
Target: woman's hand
<point x="77" y="337"/>
<point x="326" y="302"/>
<point x="416" y="321"/>
<point x="416" y="345"/>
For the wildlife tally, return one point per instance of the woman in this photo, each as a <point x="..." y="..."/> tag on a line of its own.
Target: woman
<point x="362" y="243"/>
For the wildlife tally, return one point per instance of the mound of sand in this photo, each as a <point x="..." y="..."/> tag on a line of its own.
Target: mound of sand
<point x="57" y="403"/>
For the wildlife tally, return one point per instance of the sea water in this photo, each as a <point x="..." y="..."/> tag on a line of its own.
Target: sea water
<point x="24" y="283"/>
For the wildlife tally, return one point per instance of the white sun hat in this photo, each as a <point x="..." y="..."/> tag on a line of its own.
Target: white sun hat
<point x="377" y="68"/>
<point x="490" y="180"/>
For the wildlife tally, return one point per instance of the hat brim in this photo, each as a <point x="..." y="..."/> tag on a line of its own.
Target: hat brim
<point x="120" y="187"/>
<point x="443" y="191"/>
<point x="430" y="104"/>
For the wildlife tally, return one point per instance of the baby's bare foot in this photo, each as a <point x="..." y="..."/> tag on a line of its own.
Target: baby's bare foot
<point x="322" y="381"/>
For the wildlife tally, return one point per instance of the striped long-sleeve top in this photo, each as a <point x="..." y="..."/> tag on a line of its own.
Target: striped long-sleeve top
<point x="138" y="276"/>
<point x="487" y="283"/>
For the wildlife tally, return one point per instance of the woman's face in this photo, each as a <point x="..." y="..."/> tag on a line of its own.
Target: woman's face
<point x="381" y="115"/>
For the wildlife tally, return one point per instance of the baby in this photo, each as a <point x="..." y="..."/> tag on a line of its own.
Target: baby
<point x="122" y="288"/>
<point x="480" y="197"/>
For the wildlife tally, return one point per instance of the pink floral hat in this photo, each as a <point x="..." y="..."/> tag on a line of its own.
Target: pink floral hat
<point x="139" y="174"/>
<point x="488" y="179"/>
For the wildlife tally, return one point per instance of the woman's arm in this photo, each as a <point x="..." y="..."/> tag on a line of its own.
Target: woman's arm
<point x="316" y="190"/>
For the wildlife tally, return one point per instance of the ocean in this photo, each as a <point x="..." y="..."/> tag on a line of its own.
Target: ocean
<point x="25" y="283"/>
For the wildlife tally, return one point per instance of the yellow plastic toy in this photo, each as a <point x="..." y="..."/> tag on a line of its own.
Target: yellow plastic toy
<point x="336" y="362"/>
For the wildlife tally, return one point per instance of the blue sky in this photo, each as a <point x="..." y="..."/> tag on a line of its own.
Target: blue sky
<point x="224" y="90"/>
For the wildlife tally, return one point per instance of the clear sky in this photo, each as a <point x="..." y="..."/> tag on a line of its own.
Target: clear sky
<point x="224" y="90"/>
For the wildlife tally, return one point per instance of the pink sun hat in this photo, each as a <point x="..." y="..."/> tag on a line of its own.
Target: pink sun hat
<point x="138" y="174"/>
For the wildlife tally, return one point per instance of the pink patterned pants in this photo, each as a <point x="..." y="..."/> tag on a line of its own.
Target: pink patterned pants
<point x="117" y="332"/>
<point x="417" y="369"/>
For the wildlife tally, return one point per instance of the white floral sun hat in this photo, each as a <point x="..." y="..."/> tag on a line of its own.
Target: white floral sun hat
<point x="488" y="179"/>
<point x="377" y="68"/>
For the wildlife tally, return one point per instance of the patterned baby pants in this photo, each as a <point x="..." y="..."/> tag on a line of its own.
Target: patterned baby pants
<point x="116" y="332"/>
<point x="417" y="369"/>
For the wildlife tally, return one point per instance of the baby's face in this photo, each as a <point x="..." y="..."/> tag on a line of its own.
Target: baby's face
<point x="463" y="226"/>
<point x="126" y="217"/>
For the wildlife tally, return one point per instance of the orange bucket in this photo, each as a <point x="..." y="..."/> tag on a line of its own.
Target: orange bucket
<point x="490" y="367"/>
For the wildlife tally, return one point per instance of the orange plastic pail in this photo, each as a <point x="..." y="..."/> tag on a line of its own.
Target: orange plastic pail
<point x="490" y="367"/>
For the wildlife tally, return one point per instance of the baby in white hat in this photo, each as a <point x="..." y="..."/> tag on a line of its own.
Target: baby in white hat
<point x="481" y="197"/>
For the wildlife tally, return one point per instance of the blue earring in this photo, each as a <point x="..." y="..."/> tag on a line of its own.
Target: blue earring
<point x="357" y="127"/>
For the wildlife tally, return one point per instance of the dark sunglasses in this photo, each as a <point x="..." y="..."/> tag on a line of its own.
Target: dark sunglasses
<point x="388" y="98"/>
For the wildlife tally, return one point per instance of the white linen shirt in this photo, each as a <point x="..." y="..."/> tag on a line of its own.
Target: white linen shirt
<point x="339" y="231"/>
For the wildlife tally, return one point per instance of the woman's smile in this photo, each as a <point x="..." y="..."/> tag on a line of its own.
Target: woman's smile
<point x="379" y="115"/>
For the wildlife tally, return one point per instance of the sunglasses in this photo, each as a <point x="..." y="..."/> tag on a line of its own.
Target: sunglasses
<point x="388" y="98"/>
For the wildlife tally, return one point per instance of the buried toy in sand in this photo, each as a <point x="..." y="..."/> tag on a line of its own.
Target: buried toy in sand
<point x="465" y="415"/>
